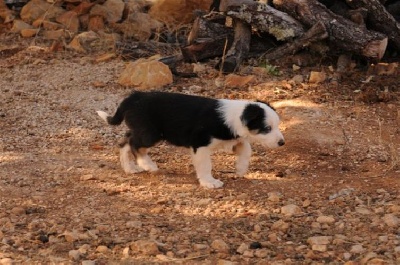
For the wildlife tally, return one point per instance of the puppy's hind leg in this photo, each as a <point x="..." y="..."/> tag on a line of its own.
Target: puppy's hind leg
<point x="202" y="164"/>
<point x="243" y="152"/>
<point x="127" y="161"/>
<point x="144" y="161"/>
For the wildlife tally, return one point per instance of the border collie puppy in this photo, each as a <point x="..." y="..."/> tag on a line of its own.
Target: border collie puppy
<point x="199" y="123"/>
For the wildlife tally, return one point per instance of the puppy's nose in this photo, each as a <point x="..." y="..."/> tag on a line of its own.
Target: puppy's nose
<point x="281" y="142"/>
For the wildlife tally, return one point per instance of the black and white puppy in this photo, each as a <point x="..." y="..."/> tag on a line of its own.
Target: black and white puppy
<point x="199" y="123"/>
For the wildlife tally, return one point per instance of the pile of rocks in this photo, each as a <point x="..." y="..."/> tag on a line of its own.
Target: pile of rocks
<point x="78" y="22"/>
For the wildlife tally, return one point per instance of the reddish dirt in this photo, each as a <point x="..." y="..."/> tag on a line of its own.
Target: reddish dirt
<point x="65" y="199"/>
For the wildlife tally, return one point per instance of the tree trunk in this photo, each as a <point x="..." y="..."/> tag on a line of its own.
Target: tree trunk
<point x="316" y="33"/>
<point x="239" y="48"/>
<point x="266" y="19"/>
<point x="380" y="19"/>
<point x="343" y="33"/>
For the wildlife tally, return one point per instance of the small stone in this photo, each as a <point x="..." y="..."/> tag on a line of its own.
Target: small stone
<point x="306" y="203"/>
<point x="248" y="253"/>
<point x="74" y="255"/>
<point x="317" y="77"/>
<point x="363" y="210"/>
<point x="88" y="262"/>
<point x="346" y="256"/>
<point x="274" y="196"/>
<point x="198" y="247"/>
<point x="6" y="261"/>
<point x="102" y="249"/>
<point x="261" y="253"/>
<point x="357" y="249"/>
<point x="319" y="240"/>
<point x="205" y="201"/>
<point x="18" y="210"/>
<point x="225" y="262"/>
<point x="237" y="81"/>
<point x="391" y="220"/>
<point x="383" y="238"/>
<point x="125" y="252"/>
<point x="320" y="248"/>
<point x="290" y="210"/>
<point x="325" y="219"/>
<point x="242" y="248"/>
<point x="297" y="79"/>
<point x="87" y="177"/>
<point x="134" y="224"/>
<point x="147" y="247"/>
<point x="71" y="236"/>
<point x="220" y="246"/>
<point x="280" y="226"/>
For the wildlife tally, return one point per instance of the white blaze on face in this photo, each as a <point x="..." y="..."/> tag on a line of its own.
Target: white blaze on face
<point x="232" y="110"/>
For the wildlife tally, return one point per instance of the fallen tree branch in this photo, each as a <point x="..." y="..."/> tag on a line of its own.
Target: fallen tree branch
<point x="316" y="33"/>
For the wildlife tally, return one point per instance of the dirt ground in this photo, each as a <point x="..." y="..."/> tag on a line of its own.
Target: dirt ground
<point x="329" y="196"/>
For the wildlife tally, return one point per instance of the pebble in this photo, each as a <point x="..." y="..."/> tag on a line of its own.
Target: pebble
<point x="18" y="210"/>
<point x="325" y="219"/>
<point x="290" y="210"/>
<point x="280" y="226"/>
<point x="134" y="224"/>
<point x="146" y="247"/>
<point x="102" y="249"/>
<point x="242" y="248"/>
<point x="198" y="247"/>
<point x="346" y="256"/>
<point x="74" y="255"/>
<point x="219" y="245"/>
<point x="274" y="196"/>
<point x="363" y="210"/>
<point x="88" y="262"/>
<point x="261" y="253"/>
<point x="357" y="249"/>
<point x="320" y="248"/>
<point x="319" y="240"/>
<point x="391" y="220"/>
<point x="6" y="261"/>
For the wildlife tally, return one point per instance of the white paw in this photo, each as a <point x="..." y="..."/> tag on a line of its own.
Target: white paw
<point x="132" y="168"/>
<point x="211" y="183"/>
<point x="240" y="172"/>
<point x="147" y="164"/>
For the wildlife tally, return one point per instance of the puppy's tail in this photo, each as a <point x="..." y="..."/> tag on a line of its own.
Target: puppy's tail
<point x="115" y="120"/>
<point x="122" y="109"/>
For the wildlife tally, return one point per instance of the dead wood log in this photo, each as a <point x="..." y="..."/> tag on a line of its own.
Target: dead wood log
<point x="133" y="50"/>
<point x="379" y="19"/>
<point x="206" y="40"/>
<point x="239" y="49"/>
<point x="343" y="33"/>
<point x="316" y="33"/>
<point x="266" y="19"/>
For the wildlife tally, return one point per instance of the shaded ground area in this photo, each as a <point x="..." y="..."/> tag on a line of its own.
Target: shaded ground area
<point x="65" y="199"/>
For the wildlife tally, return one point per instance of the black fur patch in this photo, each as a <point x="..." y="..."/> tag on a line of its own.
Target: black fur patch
<point x="253" y="117"/>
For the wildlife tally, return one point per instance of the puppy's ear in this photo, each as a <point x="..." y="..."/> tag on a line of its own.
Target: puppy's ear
<point x="253" y="117"/>
<point x="266" y="103"/>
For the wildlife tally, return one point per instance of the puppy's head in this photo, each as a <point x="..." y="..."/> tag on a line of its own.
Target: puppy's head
<point x="263" y="124"/>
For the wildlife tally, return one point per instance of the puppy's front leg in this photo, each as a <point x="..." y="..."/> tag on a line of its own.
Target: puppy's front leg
<point x="202" y="164"/>
<point x="243" y="152"/>
<point x="144" y="161"/>
<point x="128" y="165"/>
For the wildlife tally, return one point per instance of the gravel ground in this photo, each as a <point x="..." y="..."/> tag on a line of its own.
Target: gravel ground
<point x="330" y="196"/>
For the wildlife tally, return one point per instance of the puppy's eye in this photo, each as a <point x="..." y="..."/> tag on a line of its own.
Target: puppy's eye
<point x="266" y="129"/>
